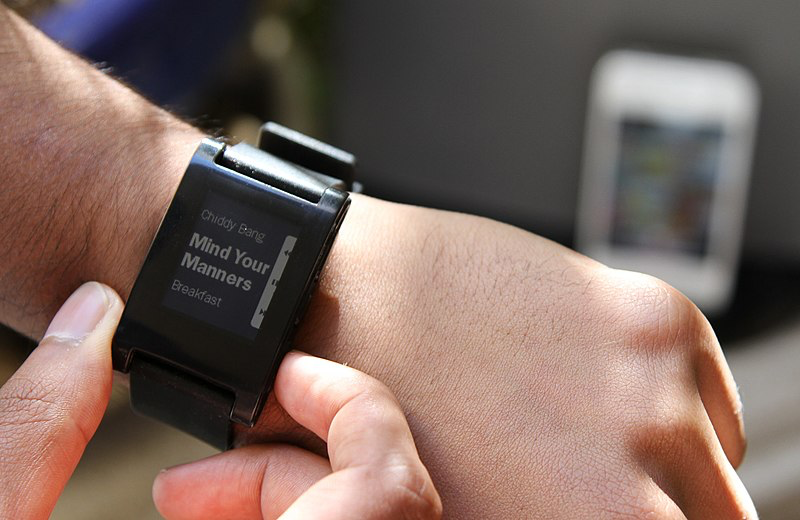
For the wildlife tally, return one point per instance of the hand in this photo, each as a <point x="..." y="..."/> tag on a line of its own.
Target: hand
<point x="52" y="405"/>
<point x="373" y="470"/>
<point x="537" y="382"/>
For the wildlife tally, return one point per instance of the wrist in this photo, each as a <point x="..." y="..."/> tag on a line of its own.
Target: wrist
<point x="88" y="171"/>
<point x="143" y="175"/>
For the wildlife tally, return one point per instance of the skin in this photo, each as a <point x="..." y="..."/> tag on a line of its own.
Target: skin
<point x="537" y="382"/>
<point x="53" y="404"/>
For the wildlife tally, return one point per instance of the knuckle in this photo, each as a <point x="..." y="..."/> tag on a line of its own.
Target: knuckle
<point x="635" y="499"/>
<point x="377" y="391"/>
<point x="24" y="400"/>
<point x="43" y="403"/>
<point x="28" y="409"/>
<point x="678" y="456"/>
<point x="409" y="490"/>
<point x="370" y="397"/>
<point x="661" y="440"/>
<point x="660" y="319"/>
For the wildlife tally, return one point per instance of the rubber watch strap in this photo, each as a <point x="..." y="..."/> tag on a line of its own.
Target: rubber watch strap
<point x="192" y="405"/>
<point x="171" y="395"/>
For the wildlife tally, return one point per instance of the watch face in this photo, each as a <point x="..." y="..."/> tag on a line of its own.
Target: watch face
<point x="227" y="278"/>
<point x="230" y="265"/>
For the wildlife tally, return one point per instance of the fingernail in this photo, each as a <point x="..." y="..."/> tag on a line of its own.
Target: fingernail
<point x="81" y="313"/>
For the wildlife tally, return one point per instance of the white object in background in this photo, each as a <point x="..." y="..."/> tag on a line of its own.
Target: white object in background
<point x="666" y="169"/>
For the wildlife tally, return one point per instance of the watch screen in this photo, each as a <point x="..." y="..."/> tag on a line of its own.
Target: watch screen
<point x="230" y="265"/>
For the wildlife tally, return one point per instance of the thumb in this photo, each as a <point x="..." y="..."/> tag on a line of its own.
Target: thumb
<point x="52" y="405"/>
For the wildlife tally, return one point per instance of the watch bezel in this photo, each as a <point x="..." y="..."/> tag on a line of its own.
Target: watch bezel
<point x="222" y="358"/>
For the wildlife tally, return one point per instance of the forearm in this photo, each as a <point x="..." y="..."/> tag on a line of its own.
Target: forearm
<point x="537" y="382"/>
<point x="87" y="170"/>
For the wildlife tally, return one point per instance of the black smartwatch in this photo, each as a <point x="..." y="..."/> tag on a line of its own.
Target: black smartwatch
<point x="228" y="278"/>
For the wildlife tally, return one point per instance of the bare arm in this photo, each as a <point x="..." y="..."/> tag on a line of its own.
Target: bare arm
<point x="88" y="168"/>
<point x="537" y="382"/>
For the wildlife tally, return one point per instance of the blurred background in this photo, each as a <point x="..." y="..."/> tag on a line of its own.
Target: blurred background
<point x="479" y="107"/>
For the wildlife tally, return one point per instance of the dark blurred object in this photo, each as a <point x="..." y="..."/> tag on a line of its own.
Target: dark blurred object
<point x="168" y="49"/>
<point x="480" y="106"/>
<point x="226" y="66"/>
<point x="766" y="300"/>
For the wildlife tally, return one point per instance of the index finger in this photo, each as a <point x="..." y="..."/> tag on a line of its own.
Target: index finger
<point x="52" y="405"/>
<point x="364" y="426"/>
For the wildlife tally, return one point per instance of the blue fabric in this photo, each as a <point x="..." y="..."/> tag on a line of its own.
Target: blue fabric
<point x="167" y="49"/>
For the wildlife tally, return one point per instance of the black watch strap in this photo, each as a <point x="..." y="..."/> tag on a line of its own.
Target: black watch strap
<point x="169" y="394"/>
<point x="187" y="403"/>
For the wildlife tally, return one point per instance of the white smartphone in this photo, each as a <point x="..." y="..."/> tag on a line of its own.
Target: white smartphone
<point x="666" y="169"/>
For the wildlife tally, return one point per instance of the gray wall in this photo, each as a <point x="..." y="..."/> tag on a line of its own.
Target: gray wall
<point x="479" y="106"/>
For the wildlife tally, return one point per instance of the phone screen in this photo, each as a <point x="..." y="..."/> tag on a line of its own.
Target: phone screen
<point x="665" y="180"/>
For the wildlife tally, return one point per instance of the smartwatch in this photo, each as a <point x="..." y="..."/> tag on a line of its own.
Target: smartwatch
<point x="228" y="277"/>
